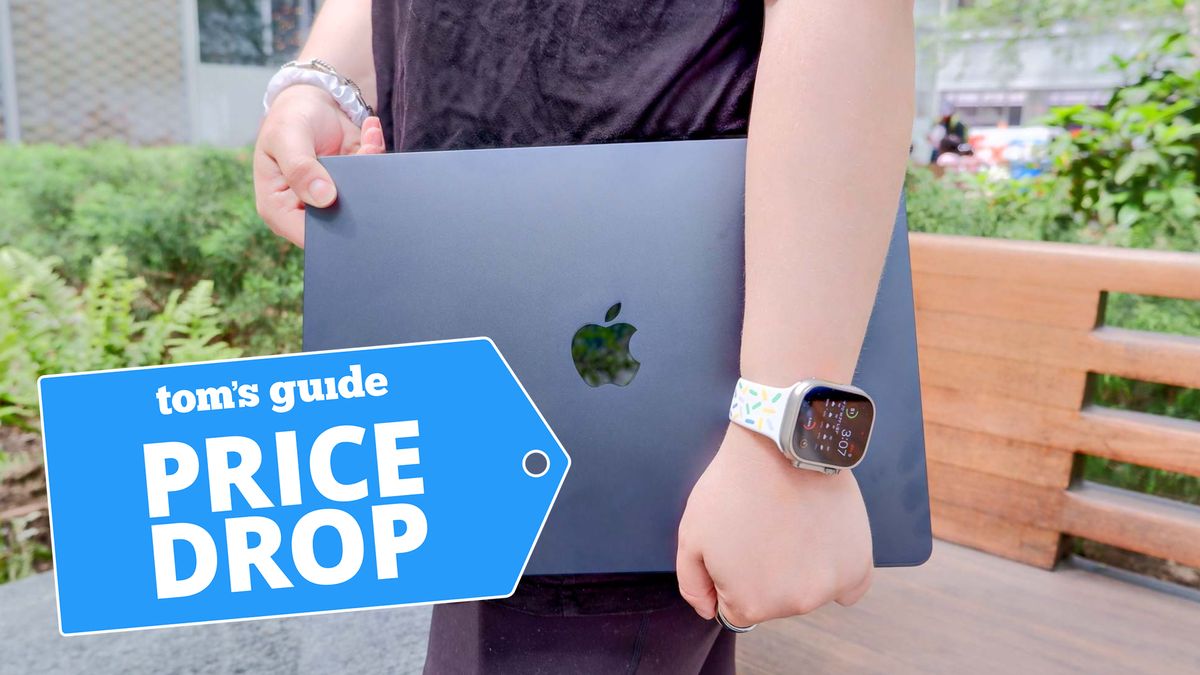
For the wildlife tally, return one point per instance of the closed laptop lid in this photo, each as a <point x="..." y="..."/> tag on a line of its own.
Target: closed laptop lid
<point x="635" y="249"/>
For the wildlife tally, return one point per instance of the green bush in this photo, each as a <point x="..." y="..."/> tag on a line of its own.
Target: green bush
<point x="179" y="214"/>
<point x="1127" y="174"/>
<point x="974" y="204"/>
<point x="47" y="326"/>
<point x="1132" y="167"/>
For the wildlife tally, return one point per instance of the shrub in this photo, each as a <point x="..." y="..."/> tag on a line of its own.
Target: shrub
<point x="46" y="326"/>
<point x="1132" y="167"/>
<point x="180" y="214"/>
<point x="1127" y="174"/>
<point x="1029" y="208"/>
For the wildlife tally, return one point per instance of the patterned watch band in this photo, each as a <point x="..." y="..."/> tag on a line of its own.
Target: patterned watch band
<point x="759" y="408"/>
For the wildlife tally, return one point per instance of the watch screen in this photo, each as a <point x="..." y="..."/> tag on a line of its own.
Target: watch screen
<point x="832" y="426"/>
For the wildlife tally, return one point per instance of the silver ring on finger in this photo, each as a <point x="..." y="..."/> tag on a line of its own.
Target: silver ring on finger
<point x="730" y="627"/>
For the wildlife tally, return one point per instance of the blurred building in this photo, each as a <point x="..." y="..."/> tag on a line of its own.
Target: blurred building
<point x="993" y="78"/>
<point x="143" y="71"/>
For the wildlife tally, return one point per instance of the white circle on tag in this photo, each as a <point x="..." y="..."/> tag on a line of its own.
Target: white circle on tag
<point x="535" y="463"/>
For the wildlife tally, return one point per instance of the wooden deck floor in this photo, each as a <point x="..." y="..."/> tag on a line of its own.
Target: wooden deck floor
<point x="966" y="611"/>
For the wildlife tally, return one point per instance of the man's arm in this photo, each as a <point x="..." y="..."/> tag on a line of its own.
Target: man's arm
<point x="828" y="143"/>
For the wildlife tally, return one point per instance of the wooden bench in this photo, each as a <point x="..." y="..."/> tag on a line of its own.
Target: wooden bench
<point x="1008" y="334"/>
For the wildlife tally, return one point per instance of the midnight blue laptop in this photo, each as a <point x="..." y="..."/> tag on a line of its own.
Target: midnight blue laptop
<point x="630" y="256"/>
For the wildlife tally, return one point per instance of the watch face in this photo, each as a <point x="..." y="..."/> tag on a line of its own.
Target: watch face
<point x="832" y="426"/>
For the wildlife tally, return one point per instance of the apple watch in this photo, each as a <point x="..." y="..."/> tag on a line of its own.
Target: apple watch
<point x="818" y="425"/>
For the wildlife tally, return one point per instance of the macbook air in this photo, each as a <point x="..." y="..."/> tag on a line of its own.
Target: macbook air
<point x="610" y="277"/>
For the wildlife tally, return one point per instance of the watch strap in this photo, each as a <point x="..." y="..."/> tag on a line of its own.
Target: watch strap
<point x="759" y="407"/>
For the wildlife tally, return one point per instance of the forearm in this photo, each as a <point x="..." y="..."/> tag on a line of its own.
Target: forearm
<point x="341" y="36"/>
<point x="829" y="135"/>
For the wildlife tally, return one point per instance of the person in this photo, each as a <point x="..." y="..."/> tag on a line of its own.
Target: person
<point x="948" y="124"/>
<point x="759" y="539"/>
<point x="956" y="156"/>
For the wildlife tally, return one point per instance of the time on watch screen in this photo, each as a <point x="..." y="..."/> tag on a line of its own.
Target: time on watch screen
<point x="832" y="426"/>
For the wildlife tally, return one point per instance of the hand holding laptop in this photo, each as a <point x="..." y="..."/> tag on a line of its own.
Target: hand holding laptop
<point x="303" y="122"/>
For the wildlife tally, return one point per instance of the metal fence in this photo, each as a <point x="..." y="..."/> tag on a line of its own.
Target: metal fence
<point x="7" y="103"/>
<point x="81" y="71"/>
<point x="141" y="71"/>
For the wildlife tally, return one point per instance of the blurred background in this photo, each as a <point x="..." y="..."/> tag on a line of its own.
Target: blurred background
<point x="1060" y="343"/>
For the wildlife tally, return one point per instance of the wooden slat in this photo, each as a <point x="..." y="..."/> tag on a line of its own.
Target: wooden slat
<point x="1133" y="521"/>
<point x="1140" y="355"/>
<point x="1002" y="516"/>
<point x="999" y="456"/>
<point x="1012" y="500"/>
<point x="1028" y="343"/>
<point x="966" y="526"/>
<point x="1046" y="385"/>
<point x="1048" y="305"/>
<point x="1140" y="438"/>
<point x="1165" y="273"/>
<point x="1150" y="440"/>
<point x="983" y="413"/>
<point x="975" y="411"/>
<point x="1169" y="359"/>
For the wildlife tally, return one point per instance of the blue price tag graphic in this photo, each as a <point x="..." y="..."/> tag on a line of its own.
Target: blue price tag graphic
<point x="297" y="484"/>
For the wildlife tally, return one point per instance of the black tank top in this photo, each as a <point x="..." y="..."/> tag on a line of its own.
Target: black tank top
<point x="455" y="74"/>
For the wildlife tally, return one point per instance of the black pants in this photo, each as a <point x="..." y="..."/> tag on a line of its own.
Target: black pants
<point x="591" y="624"/>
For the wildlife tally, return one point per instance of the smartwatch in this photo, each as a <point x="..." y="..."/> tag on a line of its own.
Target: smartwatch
<point x="818" y="425"/>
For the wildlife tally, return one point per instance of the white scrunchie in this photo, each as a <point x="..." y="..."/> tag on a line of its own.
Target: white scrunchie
<point x="345" y="95"/>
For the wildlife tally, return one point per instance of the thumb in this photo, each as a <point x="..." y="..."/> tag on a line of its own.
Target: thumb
<point x="695" y="585"/>
<point x="293" y="149"/>
<point x="371" y="140"/>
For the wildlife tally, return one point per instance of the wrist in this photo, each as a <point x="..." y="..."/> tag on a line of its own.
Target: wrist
<point x="784" y="372"/>
<point x="318" y="75"/>
<point x="306" y="96"/>
<point x="780" y="361"/>
<point x="746" y="443"/>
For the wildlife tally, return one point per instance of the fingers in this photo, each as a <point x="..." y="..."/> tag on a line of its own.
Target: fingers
<point x="286" y="217"/>
<point x="857" y="592"/>
<point x="277" y="204"/>
<point x="371" y="141"/>
<point x="695" y="585"/>
<point x="293" y="150"/>
<point x="734" y="616"/>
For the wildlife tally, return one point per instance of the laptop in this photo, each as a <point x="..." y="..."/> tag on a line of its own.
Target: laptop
<point x="630" y="256"/>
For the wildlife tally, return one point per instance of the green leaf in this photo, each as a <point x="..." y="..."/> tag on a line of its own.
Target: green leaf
<point x="1187" y="202"/>
<point x="1126" y="170"/>
<point x="1134" y="162"/>
<point x="1128" y="215"/>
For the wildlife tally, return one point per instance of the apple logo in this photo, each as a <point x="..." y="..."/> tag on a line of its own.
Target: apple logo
<point x="601" y="353"/>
